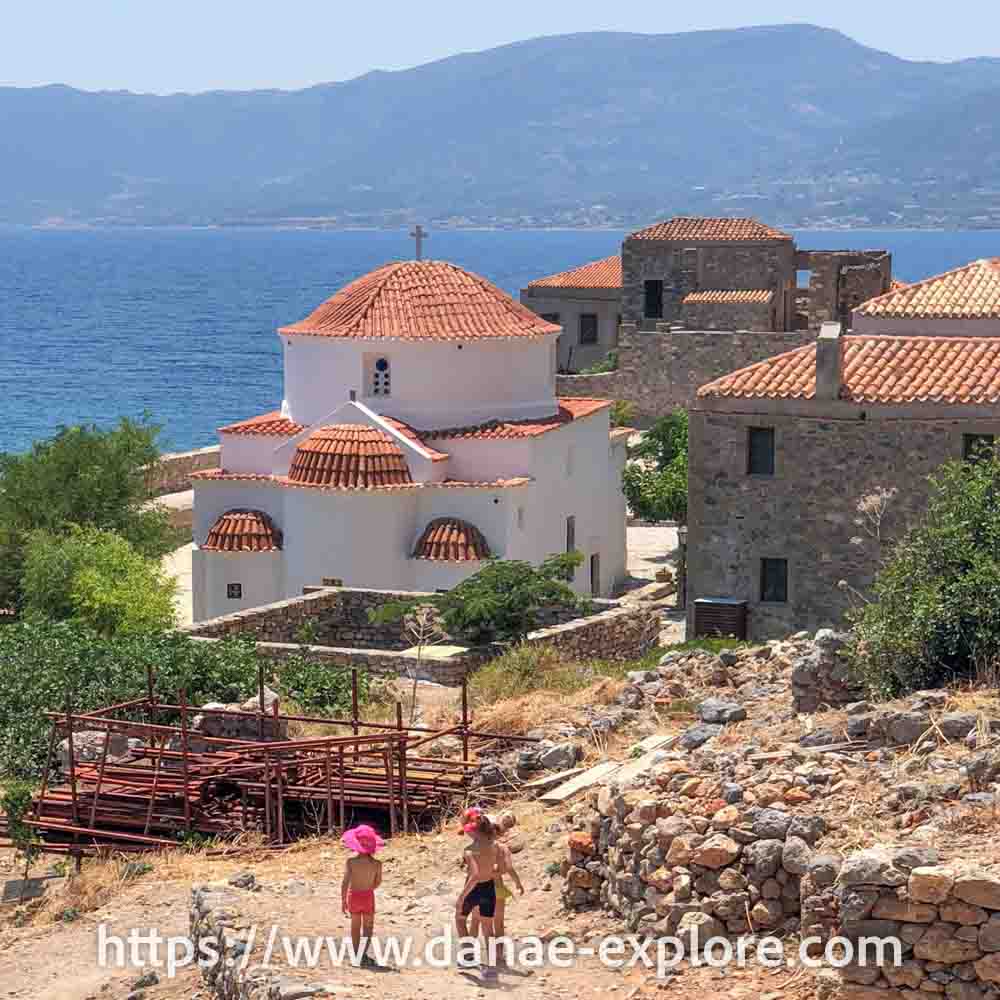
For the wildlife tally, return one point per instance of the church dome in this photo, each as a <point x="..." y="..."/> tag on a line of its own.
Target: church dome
<point x="352" y="456"/>
<point x="450" y="539"/>
<point x="422" y="300"/>
<point x="243" y="531"/>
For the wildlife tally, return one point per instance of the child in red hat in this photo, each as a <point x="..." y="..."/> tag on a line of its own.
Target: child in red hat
<point x="362" y="876"/>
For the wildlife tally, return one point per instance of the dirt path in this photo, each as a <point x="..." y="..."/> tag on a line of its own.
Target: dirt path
<point x="300" y="895"/>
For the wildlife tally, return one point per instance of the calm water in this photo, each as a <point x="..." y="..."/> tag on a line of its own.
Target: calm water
<point x="98" y="324"/>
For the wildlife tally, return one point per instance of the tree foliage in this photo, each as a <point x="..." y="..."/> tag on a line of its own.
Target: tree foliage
<point x="655" y="482"/>
<point x="97" y="578"/>
<point x="934" y="615"/>
<point x="500" y="603"/>
<point x="82" y="476"/>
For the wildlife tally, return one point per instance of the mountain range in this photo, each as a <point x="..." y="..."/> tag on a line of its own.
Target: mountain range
<point x="794" y="123"/>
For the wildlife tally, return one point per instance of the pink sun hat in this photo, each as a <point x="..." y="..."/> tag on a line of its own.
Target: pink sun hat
<point x="362" y="839"/>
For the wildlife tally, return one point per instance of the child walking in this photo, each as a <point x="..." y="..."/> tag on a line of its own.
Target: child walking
<point x="502" y="824"/>
<point x="362" y="876"/>
<point x="480" y="891"/>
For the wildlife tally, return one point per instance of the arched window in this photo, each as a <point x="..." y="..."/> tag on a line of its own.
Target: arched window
<point x="381" y="378"/>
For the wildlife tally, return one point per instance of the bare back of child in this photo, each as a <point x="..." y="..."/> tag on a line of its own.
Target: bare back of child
<point x="362" y="876"/>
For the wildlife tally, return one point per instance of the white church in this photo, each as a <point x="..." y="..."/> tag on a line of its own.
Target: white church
<point x="420" y="434"/>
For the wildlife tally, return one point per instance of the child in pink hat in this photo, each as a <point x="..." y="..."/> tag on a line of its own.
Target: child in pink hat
<point x="362" y="876"/>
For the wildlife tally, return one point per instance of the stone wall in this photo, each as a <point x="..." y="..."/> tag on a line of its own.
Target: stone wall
<point x="806" y="512"/>
<point x="686" y="267"/>
<point x="840" y="280"/>
<point x="946" y="918"/>
<point x="660" y="371"/>
<point x="619" y="634"/>
<point x="821" y="675"/>
<point x="334" y="616"/>
<point x="172" y="474"/>
<point x="754" y="316"/>
<point x="215" y="928"/>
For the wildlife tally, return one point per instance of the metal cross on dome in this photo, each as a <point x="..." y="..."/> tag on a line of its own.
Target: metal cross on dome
<point x="419" y="234"/>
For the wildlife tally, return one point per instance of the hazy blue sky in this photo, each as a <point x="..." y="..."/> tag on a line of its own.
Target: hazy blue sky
<point x="169" y="45"/>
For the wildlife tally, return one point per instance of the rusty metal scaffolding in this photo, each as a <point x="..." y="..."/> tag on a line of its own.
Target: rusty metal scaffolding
<point x="175" y="782"/>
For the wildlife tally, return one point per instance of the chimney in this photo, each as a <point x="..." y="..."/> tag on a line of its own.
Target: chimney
<point x="828" y="362"/>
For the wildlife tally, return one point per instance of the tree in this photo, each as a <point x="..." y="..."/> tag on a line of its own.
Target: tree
<point x="97" y="578"/>
<point x="934" y="611"/>
<point x="500" y="603"/>
<point x="83" y="476"/>
<point x="655" y="481"/>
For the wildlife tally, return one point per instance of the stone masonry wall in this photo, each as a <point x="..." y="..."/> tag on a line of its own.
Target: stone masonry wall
<point x="683" y="268"/>
<point x="754" y="316"/>
<point x="946" y="918"/>
<point x="620" y="634"/>
<point x="821" y="676"/>
<point x="172" y="474"/>
<point x="807" y="511"/>
<point x="658" y="372"/>
<point x="840" y="280"/>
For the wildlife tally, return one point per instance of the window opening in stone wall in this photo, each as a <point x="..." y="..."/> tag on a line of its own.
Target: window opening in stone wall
<point x="234" y="591"/>
<point x="381" y="378"/>
<point x="653" y="305"/>
<point x="551" y="318"/>
<point x="588" y="328"/>
<point x="774" y="581"/>
<point x="977" y="447"/>
<point x="760" y="451"/>
<point x="802" y="279"/>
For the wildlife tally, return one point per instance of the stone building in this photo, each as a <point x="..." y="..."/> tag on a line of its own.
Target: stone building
<point x="740" y="274"/>
<point x="419" y="434"/>
<point x="781" y="453"/>
<point x="964" y="302"/>
<point x="586" y="303"/>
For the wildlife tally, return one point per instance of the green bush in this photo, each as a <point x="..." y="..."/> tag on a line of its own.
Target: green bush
<point x="934" y="614"/>
<point x="320" y="688"/>
<point x="500" y="603"/>
<point x="82" y="476"/>
<point x="608" y="364"/>
<point x="655" y="482"/>
<point x="97" y="578"/>
<point x="622" y="413"/>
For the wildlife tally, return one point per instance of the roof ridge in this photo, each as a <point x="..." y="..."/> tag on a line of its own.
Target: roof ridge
<point x="801" y="349"/>
<point x="992" y="262"/>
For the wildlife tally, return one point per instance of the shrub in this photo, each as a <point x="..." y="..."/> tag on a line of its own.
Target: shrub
<point x="500" y="603"/>
<point x="320" y="688"/>
<point x="655" y="482"/>
<point x="608" y="364"/>
<point x="622" y="413"/>
<point x="97" y="578"/>
<point x="934" y="614"/>
<point x="83" y="476"/>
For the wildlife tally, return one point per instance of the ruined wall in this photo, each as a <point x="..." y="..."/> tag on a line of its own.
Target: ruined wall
<point x="172" y="474"/>
<point x="807" y="511"/>
<point x="657" y="372"/>
<point x="754" y="316"/>
<point x="840" y="280"/>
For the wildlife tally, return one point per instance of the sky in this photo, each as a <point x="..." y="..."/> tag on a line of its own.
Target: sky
<point x="165" y="46"/>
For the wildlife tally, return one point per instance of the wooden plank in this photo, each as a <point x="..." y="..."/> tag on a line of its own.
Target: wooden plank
<point x="548" y="780"/>
<point x="610" y="770"/>
<point x="589" y="777"/>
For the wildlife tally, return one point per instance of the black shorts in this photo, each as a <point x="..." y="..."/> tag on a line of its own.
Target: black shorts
<point x="483" y="895"/>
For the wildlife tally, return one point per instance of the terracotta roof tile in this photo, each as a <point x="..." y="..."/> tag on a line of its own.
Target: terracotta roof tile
<point x="421" y="300"/>
<point x="353" y="455"/>
<point x="570" y="409"/>
<point x="879" y="369"/>
<point x="968" y="292"/>
<point x="450" y="539"/>
<point x="721" y="230"/>
<point x="243" y="531"/>
<point x="270" y="424"/>
<point x="729" y="296"/>
<point x="222" y="476"/>
<point x="605" y="273"/>
<point x="407" y="431"/>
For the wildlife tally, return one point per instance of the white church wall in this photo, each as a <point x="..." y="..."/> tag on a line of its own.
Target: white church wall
<point x="487" y="510"/>
<point x="212" y="499"/>
<point x="577" y="475"/>
<point x="248" y="453"/>
<point x="360" y="537"/>
<point x="432" y="383"/>
<point x="486" y="460"/>
<point x="259" y="577"/>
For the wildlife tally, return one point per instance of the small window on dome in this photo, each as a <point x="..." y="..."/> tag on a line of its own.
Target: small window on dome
<point x="381" y="378"/>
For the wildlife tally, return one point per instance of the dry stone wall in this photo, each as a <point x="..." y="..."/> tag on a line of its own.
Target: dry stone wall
<point x="821" y="675"/>
<point x="172" y="474"/>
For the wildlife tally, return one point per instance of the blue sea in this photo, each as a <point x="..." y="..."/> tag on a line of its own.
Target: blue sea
<point x="180" y="324"/>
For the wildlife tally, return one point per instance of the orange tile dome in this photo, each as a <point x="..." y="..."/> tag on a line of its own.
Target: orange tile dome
<point x="421" y="300"/>
<point x="450" y="539"/>
<point x="243" y="531"/>
<point x="353" y="456"/>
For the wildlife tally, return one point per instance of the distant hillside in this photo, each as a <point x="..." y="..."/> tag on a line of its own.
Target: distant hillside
<point x="584" y="128"/>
